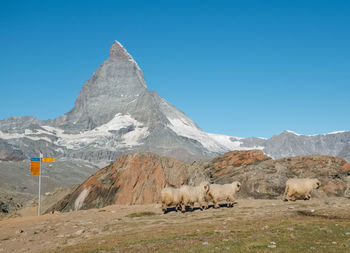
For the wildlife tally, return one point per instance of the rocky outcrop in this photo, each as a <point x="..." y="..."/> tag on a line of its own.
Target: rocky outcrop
<point x="263" y="177"/>
<point x="131" y="179"/>
<point x="346" y="168"/>
<point x="227" y="163"/>
<point x="139" y="178"/>
<point x="9" y="203"/>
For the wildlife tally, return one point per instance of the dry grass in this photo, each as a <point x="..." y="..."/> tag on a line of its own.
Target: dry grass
<point x="251" y="226"/>
<point x="292" y="234"/>
<point x="140" y="214"/>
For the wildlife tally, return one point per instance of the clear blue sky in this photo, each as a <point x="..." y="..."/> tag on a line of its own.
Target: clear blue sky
<point x="241" y="68"/>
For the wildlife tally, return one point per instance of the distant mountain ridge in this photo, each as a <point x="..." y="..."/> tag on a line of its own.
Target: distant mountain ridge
<point x="289" y="143"/>
<point x="115" y="113"/>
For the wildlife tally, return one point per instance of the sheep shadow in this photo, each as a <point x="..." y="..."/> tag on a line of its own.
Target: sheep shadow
<point x="222" y="205"/>
<point x="171" y="209"/>
<point x="189" y="209"/>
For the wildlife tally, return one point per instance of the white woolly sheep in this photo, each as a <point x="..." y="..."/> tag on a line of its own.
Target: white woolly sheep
<point x="300" y="187"/>
<point x="192" y="194"/>
<point x="224" y="192"/>
<point x="170" y="197"/>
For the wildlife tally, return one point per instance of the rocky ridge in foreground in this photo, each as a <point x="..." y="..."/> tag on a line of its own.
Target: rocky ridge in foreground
<point x="139" y="178"/>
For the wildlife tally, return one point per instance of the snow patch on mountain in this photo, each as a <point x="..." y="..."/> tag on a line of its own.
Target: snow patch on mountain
<point x="291" y="132"/>
<point x="312" y="135"/>
<point x="184" y="128"/>
<point x="28" y="134"/>
<point x="336" y="132"/>
<point x="8" y="136"/>
<point x="231" y="143"/>
<point x="101" y="136"/>
<point x="213" y="142"/>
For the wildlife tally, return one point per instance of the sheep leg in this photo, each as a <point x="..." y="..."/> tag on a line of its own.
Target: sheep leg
<point x="228" y="202"/>
<point x="307" y="196"/>
<point x="286" y="195"/>
<point x="192" y="206"/>
<point x="164" y="208"/>
<point x="293" y="198"/>
<point x="231" y="201"/>
<point x="205" y="205"/>
<point x="183" y="207"/>
<point x="200" y="205"/>
<point x="216" y="205"/>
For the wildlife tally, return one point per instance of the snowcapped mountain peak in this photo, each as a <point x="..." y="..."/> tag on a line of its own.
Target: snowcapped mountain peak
<point x="291" y="132"/>
<point x="117" y="50"/>
<point x="119" y="53"/>
<point x="311" y="135"/>
<point x="337" y="132"/>
<point x="114" y="87"/>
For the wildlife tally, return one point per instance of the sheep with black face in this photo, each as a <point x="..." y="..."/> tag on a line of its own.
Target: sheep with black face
<point x="223" y="192"/>
<point x="170" y="197"/>
<point x="300" y="188"/>
<point x="192" y="194"/>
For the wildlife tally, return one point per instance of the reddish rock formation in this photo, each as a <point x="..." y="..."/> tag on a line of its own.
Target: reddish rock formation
<point x="265" y="178"/>
<point x="131" y="179"/>
<point x="346" y="167"/>
<point x="139" y="178"/>
<point x="228" y="162"/>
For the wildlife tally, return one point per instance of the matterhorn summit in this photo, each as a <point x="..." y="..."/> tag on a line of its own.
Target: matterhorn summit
<point x="114" y="88"/>
<point x="115" y="113"/>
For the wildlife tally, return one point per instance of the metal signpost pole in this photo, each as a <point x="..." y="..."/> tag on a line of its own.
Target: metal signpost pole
<point x="39" y="186"/>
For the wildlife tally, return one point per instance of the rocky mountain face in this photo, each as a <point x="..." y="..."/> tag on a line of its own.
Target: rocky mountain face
<point x="10" y="153"/>
<point x="139" y="178"/>
<point x="115" y="113"/>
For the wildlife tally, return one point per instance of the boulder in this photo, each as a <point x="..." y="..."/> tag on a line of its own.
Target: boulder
<point x="262" y="177"/>
<point x="131" y="179"/>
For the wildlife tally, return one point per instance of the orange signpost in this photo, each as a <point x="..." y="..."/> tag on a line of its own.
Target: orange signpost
<point x="35" y="168"/>
<point x="48" y="160"/>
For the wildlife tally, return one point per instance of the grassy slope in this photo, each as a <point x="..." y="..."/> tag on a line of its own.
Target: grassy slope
<point x="219" y="231"/>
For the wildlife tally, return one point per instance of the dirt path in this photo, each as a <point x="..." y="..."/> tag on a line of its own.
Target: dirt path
<point x="254" y="225"/>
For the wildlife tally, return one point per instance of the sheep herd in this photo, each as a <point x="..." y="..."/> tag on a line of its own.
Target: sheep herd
<point x="205" y="193"/>
<point x="202" y="194"/>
